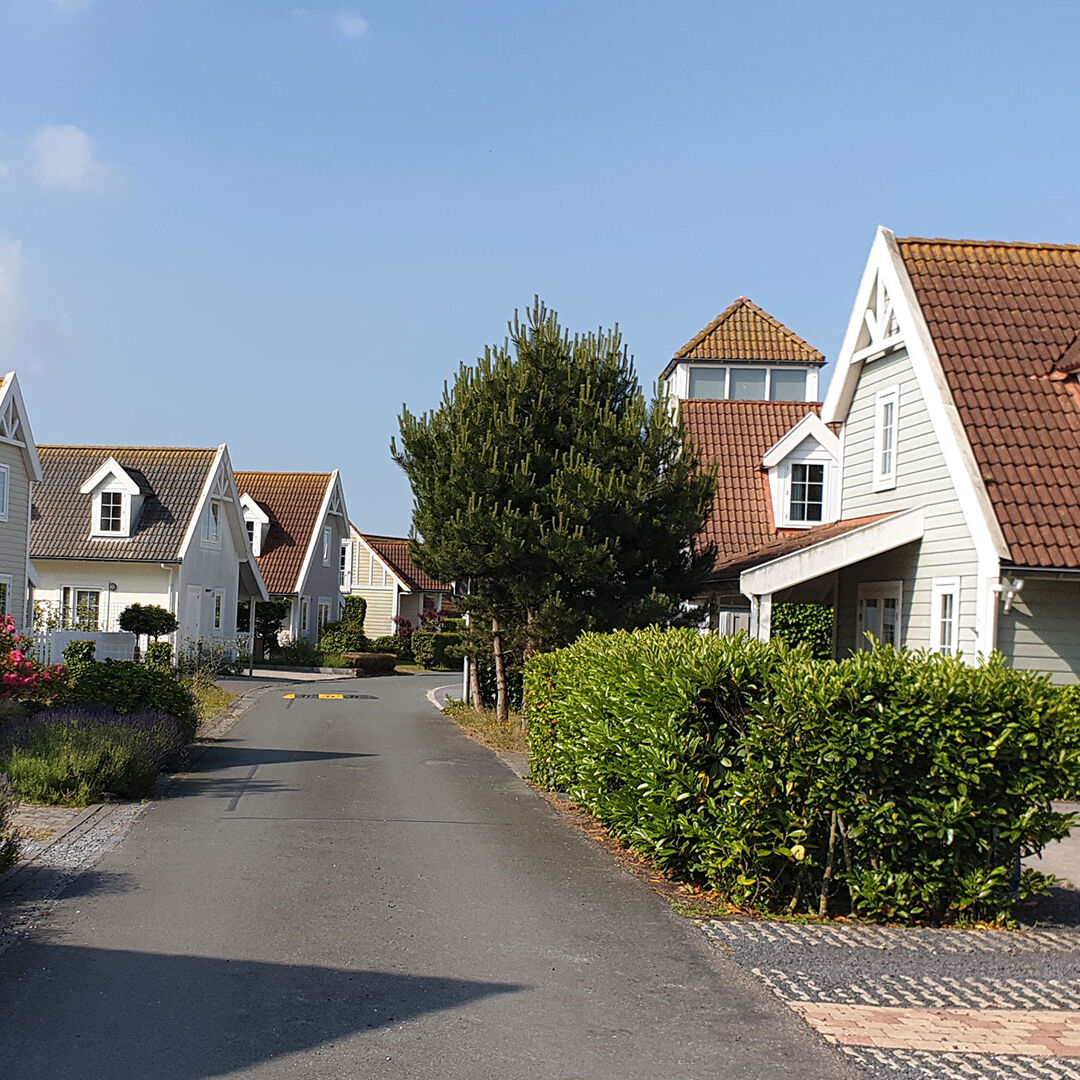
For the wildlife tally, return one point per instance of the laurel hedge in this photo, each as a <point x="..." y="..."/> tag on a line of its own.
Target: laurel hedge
<point x="896" y="786"/>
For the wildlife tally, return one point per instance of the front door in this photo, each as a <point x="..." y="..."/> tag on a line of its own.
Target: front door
<point x="193" y="613"/>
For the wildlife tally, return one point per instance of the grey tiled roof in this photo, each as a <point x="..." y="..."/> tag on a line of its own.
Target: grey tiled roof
<point x="171" y="477"/>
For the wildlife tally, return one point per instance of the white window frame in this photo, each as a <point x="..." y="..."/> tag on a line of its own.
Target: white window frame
<point x="942" y="640"/>
<point x="125" y="514"/>
<point x="69" y="615"/>
<point x="5" y="485"/>
<point x="211" y="524"/>
<point x="217" y="619"/>
<point x="880" y="591"/>
<point x="6" y="582"/>
<point x="327" y="544"/>
<point x="806" y="523"/>
<point x="728" y="368"/>
<point x="324" y="604"/>
<point x="345" y="565"/>
<point x="305" y="613"/>
<point x="885" y="479"/>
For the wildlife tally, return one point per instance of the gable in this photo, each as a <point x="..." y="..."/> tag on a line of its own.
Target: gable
<point x="15" y="424"/>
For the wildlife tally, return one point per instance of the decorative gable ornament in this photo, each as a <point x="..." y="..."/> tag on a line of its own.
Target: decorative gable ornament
<point x="880" y="330"/>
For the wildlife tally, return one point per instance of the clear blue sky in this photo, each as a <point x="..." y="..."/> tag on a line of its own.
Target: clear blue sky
<point x="269" y="224"/>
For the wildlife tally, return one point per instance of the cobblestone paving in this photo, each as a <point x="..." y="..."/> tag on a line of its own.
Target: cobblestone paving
<point x="926" y="1004"/>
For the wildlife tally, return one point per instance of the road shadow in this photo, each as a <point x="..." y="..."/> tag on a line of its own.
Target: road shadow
<point x="133" y="1015"/>
<point x="34" y="882"/>
<point x="215" y="757"/>
<point x="1059" y="907"/>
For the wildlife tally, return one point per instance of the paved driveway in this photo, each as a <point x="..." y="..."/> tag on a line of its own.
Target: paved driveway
<point x="350" y="888"/>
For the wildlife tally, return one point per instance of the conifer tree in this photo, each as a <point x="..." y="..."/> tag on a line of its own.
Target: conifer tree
<point x="546" y="481"/>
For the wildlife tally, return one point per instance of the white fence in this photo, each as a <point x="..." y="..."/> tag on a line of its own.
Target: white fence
<point x="49" y="646"/>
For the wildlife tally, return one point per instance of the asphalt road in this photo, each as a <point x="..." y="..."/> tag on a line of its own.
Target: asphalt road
<point x="353" y="889"/>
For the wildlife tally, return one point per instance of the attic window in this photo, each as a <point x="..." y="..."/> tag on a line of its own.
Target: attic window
<point x="211" y="524"/>
<point x="743" y="383"/>
<point x="111" y="512"/>
<point x="807" y="492"/>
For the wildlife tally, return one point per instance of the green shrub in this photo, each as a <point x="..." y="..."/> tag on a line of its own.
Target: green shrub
<point x="128" y="687"/>
<point x="76" y="756"/>
<point x="389" y="643"/>
<point x="452" y="623"/>
<point x="298" y="654"/>
<point x="159" y="654"/>
<point x="354" y="608"/>
<point x="9" y="846"/>
<point x="430" y="648"/>
<point x="805" y="624"/>
<point x="343" y="637"/>
<point x="899" y="786"/>
<point x="78" y="655"/>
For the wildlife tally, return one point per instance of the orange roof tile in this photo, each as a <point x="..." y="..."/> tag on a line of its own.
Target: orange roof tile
<point x="292" y="502"/>
<point x="1005" y="319"/>
<point x="735" y="436"/>
<point x="395" y="552"/>
<point x="743" y="331"/>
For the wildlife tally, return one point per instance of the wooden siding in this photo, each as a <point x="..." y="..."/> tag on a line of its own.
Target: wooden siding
<point x="381" y="600"/>
<point x="922" y="479"/>
<point x="13" y="531"/>
<point x="1040" y="632"/>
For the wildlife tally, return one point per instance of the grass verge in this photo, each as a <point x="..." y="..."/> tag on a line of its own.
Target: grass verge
<point x="482" y="726"/>
<point x="210" y="698"/>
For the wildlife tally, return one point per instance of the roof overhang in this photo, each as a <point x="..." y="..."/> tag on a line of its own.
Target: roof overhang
<point x="127" y="483"/>
<point x="828" y="556"/>
<point x="809" y="427"/>
<point x="251" y="581"/>
<point x="252" y="510"/>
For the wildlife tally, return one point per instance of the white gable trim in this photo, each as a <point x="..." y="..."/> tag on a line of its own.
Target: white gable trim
<point x="375" y="555"/>
<point x="333" y="500"/>
<point x="251" y="509"/>
<point x="835" y="553"/>
<point x="200" y="505"/>
<point x="885" y="267"/>
<point x="15" y="424"/>
<point x="810" y="426"/>
<point x="114" y="469"/>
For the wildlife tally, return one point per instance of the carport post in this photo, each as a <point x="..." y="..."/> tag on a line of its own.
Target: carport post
<point x="252" y="603"/>
<point x="761" y="616"/>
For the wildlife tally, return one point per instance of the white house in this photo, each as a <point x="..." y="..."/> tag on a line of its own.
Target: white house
<point x="381" y="569"/>
<point x="950" y="502"/>
<point x="117" y="525"/>
<point x="20" y="470"/>
<point x="297" y="523"/>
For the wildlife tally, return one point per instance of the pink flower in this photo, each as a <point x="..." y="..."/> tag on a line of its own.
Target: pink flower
<point x="17" y="656"/>
<point x="10" y="678"/>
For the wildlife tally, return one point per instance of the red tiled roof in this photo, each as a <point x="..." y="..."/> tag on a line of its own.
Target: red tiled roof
<point x="1005" y="320"/>
<point x="791" y="541"/>
<point x="743" y="331"/>
<point x="394" y="551"/>
<point x="735" y="436"/>
<point x="292" y="502"/>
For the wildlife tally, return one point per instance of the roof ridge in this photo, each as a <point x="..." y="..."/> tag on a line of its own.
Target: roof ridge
<point x="285" y="472"/>
<point x="1024" y="244"/>
<point x="111" y="446"/>
<point x="744" y="302"/>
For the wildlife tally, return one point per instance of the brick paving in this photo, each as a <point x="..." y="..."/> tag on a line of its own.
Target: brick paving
<point x="923" y="1003"/>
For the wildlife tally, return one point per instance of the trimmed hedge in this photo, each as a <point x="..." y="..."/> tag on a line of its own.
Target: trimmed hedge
<point x="431" y="649"/>
<point x="371" y="663"/>
<point x="129" y="687"/>
<point x="898" y="786"/>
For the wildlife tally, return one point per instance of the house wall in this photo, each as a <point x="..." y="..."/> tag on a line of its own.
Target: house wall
<point x="206" y="571"/>
<point x="922" y="479"/>
<point x="322" y="580"/>
<point x="136" y="583"/>
<point x="1041" y="630"/>
<point x="378" y="587"/>
<point x="13" y="532"/>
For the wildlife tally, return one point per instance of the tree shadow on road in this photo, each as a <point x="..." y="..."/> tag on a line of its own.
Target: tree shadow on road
<point x="74" y="1013"/>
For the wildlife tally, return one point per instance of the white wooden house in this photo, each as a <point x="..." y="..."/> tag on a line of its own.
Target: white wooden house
<point x="297" y="523"/>
<point x="117" y="525"/>
<point x="950" y="499"/>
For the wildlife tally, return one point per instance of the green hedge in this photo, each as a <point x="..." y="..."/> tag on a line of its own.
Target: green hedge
<point x="130" y="687"/>
<point x="431" y="649"/>
<point x="899" y="786"/>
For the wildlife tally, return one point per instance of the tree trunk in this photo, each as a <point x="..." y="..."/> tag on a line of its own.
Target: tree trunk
<point x="502" y="707"/>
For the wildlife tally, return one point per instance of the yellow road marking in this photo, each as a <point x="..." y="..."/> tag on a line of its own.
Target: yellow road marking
<point x="289" y="696"/>
<point x="333" y="697"/>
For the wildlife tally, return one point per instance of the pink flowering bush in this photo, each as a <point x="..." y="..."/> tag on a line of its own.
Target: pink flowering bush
<point x="23" y="678"/>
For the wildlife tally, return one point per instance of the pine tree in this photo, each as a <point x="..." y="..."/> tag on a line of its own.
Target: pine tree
<point x="547" y="481"/>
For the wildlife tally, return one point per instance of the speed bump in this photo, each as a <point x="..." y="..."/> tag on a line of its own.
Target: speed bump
<point x="329" y="697"/>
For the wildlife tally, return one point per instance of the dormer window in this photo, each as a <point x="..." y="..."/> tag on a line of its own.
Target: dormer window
<point x="256" y="522"/>
<point x="807" y="493"/>
<point x="116" y="500"/>
<point x="111" y="512"/>
<point x="745" y="383"/>
<point x="211" y="524"/>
